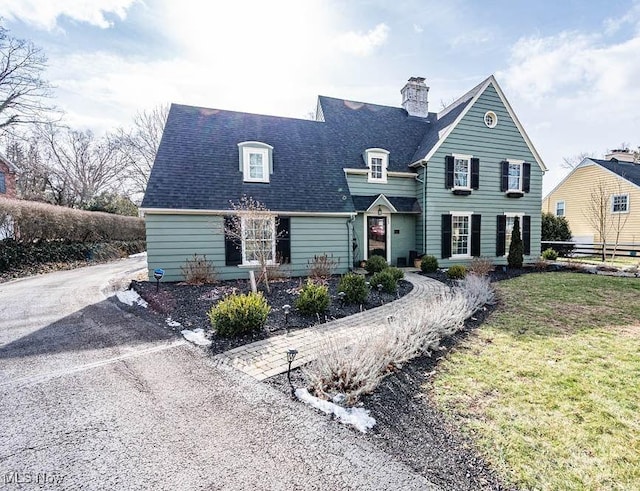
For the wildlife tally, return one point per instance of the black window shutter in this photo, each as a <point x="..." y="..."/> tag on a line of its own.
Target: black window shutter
<point x="526" y="177"/>
<point x="283" y="240"/>
<point x="504" y="181"/>
<point x="526" y="234"/>
<point x="475" y="173"/>
<point x="3" y="186"/>
<point x="475" y="235"/>
<point x="448" y="169"/>
<point x="232" y="247"/>
<point x="501" y="235"/>
<point x="446" y="236"/>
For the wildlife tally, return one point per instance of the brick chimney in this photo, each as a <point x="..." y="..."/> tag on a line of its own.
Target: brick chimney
<point x="415" y="98"/>
<point x="620" y="154"/>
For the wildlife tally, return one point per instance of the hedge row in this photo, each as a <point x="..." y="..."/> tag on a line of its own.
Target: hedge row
<point x="15" y="255"/>
<point x="31" y="222"/>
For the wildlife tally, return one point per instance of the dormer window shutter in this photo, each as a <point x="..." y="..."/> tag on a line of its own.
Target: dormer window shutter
<point x="501" y="235"/>
<point x="504" y="181"/>
<point x="475" y="173"/>
<point x="526" y="177"/>
<point x="283" y="240"/>
<point x="232" y="248"/>
<point x="446" y="236"/>
<point x="526" y="234"/>
<point x="448" y="169"/>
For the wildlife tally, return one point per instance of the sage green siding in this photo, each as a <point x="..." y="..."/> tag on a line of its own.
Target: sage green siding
<point x="401" y="243"/>
<point x="172" y="239"/>
<point x="395" y="186"/>
<point x="491" y="145"/>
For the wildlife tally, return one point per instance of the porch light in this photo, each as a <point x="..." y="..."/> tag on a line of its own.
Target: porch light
<point x="379" y="210"/>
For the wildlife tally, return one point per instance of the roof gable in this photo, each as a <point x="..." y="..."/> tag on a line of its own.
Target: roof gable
<point x="12" y="167"/>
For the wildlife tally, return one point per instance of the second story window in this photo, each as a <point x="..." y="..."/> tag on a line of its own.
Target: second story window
<point x="620" y="203"/>
<point x="461" y="171"/>
<point x="560" y="208"/>
<point x="377" y="160"/>
<point x="515" y="176"/>
<point x="255" y="161"/>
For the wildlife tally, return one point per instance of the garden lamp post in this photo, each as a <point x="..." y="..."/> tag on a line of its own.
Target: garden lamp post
<point x="341" y="296"/>
<point x="158" y="275"/>
<point x="379" y="287"/>
<point x="291" y="355"/>
<point x="287" y="309"/>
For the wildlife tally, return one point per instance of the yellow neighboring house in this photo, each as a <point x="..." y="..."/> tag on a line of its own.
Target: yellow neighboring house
<point x="600" y="190"/>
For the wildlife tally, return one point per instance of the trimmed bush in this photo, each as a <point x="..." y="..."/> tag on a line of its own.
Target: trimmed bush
<point x="375" y="264"/>
<point x="456" y="272"/>
<point x="397" y="273"/>
<point x="239" y="314"/>
<point x="429" y="264"/>
<point x="355" y="288"/>
<point x="387" y="279"/>
<point x="313" y="299"/>
<point x="516" y="248"/>
<point x="549" y="254"/>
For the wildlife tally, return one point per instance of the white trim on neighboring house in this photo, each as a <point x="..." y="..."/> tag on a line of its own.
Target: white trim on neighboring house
<point x="613" y="196"/>
<point x="479" y="90"/>
<point x="564" y="208"/>
<point x="171" y="211"/>
<point x="385" y="214"/>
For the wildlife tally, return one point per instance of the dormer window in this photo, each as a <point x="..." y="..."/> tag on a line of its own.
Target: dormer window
<point x="256" y="161"/>
<point x="377" y="160"/>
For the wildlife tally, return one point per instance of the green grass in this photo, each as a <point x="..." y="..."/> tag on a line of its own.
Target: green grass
<point x="549" y="387"/>
<point x="619" y="261"/>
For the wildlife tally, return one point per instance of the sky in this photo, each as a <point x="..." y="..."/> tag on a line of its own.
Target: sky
<point x="570" y="69"/>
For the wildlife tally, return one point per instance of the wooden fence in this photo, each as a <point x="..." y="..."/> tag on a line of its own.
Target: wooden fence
<point x="582" y="249"/>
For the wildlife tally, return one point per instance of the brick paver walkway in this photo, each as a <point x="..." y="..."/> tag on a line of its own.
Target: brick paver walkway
<point x="266" y="358"/>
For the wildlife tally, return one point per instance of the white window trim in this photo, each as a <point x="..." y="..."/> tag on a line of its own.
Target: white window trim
<point x="246" y="263"/>
<point x="458" y="156"/>
<point x="377" y="153"/>
<point x="521" y="164"/>
<point x="511" y="215"/>
<point x="467" y="214"/>
<point x="564" y="208"/>
<point x="495" y="119"/>
<point x="628" y="204"/>
<point x="246" y="151"/>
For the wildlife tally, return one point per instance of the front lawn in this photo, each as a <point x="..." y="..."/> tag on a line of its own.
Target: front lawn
<point x="549" y="387"/>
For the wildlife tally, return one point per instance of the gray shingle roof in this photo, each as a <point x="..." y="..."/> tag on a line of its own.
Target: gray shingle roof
<point x="628" y="170"/>
<point x="400" y="203"/>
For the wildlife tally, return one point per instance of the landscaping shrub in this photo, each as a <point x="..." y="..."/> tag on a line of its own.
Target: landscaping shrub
<point x="397" y="273"/>
<point x="239" y="314"/>
<point x="387" y="279"/>
<point x="549" y="254"/>
<point x="557" y="229"/>
<point x="355" y="288"/>
<point x="358" y="369"/>
<point x="375" y="264"/>
<point x="429" y="264"/>
<point x="481" y="266"/>
<point x="198" y="271"/>
<point x="322" y="267"/>
<point x="516" y="247"/>
<point x="456" y="272"/>
<point x="314" y="298"/>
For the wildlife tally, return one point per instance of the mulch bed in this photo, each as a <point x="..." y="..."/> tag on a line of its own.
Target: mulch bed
<point x="188" y="305"/>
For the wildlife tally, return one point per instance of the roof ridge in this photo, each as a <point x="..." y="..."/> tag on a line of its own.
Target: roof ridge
<point x="215" y="110"/>
<point x="464" y="98"/>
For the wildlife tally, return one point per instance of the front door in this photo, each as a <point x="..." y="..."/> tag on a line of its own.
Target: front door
<point x="377" y="236"/>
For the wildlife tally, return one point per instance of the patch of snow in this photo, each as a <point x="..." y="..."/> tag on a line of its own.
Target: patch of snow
<point x="356" y="416"/>
<point x="131" y="297"/>
<point x="140" y="254"/>
<point x="171" y="323"/>
<point x="196" y="336"/>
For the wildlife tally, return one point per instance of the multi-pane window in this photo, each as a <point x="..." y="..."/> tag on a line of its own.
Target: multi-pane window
<point x="461" y="173"/>
<point x="376" y="168"/>
<point x="460" y="235"/>
<point x="256" y="166"/>
<point x="560" y="209"/>
<point x="258" y="240"/>
<point x="515" y="176"/>
<point x="620" y="203"/>
<point x="255" y="162"/>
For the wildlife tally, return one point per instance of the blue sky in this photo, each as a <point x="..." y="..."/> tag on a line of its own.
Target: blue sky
<point x="571" y="69"/>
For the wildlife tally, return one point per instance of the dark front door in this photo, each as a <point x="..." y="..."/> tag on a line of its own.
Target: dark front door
<point x="377" y="236"/>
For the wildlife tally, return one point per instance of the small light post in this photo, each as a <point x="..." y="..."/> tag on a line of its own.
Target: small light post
<point x="291" y="355"/>
<point x="379" y="287"/>
<point x="287" y="309"/>
<point x="341" y="296"/>
<point x="158" y="274"/>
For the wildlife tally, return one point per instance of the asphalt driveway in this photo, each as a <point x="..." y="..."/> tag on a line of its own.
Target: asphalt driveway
<point x="93" y="397"/>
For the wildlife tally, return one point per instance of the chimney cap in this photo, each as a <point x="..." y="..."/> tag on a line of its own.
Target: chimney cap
<point x="417" y="79"/>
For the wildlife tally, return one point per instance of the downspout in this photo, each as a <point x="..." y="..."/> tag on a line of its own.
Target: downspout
<point x="424" y="206"/>
<point x="350" y="258"/>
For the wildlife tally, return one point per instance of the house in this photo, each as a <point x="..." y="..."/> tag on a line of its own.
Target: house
<point x="617" y="179"/>
<point x="360" y="179"/>
<point x="7" y="178"/>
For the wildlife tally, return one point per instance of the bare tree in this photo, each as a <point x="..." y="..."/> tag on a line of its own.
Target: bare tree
<point x="23" y="91"/>
<point x="82" y="165"/>
<point x="139" y="145"/>
<point x="574" y="160"/>
<point x="254" y="226"/>
<point x="35" y="177"/>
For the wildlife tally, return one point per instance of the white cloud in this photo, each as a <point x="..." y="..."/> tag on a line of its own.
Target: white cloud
<point x="418" y="29"/>
<point x="363" y="44"/>
<point x="44" y="14"/>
